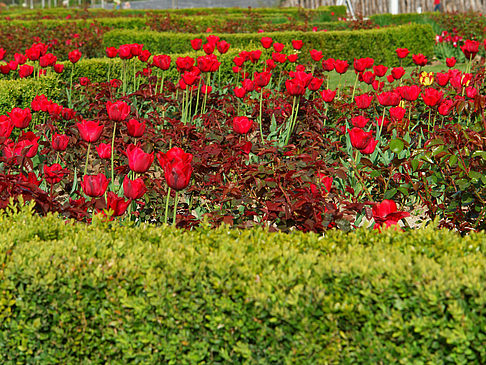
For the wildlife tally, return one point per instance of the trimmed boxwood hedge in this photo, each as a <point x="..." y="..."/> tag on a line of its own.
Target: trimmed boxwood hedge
<point x="379" y="44"/>
<point x="106" y="293"/>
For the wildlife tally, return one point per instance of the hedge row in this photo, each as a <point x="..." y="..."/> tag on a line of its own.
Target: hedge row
<point x="379" y="44"/>
<point x="71" y="293"/>
<point x="19" y="93"/>
<point x="323" y="12"/>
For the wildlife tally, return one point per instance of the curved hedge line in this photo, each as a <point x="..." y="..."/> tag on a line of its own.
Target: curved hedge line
<point x="379" y="44"/>
<point x="71" y="293"/>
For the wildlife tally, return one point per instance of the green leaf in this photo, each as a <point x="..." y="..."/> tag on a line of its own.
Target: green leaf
<point x="396" y="145"/>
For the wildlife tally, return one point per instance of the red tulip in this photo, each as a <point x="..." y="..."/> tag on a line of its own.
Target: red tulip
<point x="83" y="81"/>
<point x="2" y="53"/>
<point x="380" y="70"/>
<point x="419" y="59"/>
<point x="451" y="62"/>
<point x="242" y="125"/>
<point x="20" y="117"/>
<point x="25" y="70"/>
<point x="54" y="173"/>
<point x="470" y="49"/>
<point x="402" y="52"/>
<point x="104" y="151"/>
<point x="359" y="138"/>
<point x="177" y="167"/>
<point x="6" y="126"/>
<point x="196" y="44"/>
<point x="316" y="55"/>
<point x="292" y="58"/>
<point x="138" y="160"/>
<point x="341" y="66"/>
<point x="125" y="52"/>
<point x="255" y="55"/>
<point x="266" y="42"/>
<point x="397" y="113"/>
<point x="294" y="88"/>
<point x="432" y="96"/>
<point x="59" y="68"/>
<point x="74" y="56"/>
<point x="144" y="55"/>
<point x="359" y="64"/>
<point x="328" y="65"/>
<point x="278" y="47"/>
<point x="212" y="39"/>
<point x="262" y="79"/>
<point x="279" y="57"/>
<point x="117" y="111"/>
<point x="208" y="48"/>
<point x="27" y="141"/>
<point x="5" y="69"/>
<point x="184" y="63"/>
<point x="442" y="78"/>
<point x="136" y="49"/>
<point x="390" y="78"/>
<point x="111" y="52"/>
<point x="239" y="92"/>
<point x="135" y="128"/>
<point x="398" y="72"/>
<point x="297" y="44"/>
<point x="410" y="93"/>
<point x="94" y="185"/>
<point x="328" y="95"/>
<point x="134" y="189"/>
<point x="445" y="107"/>
<point x="161" y="61"/>
<point x="359" y="121"/>
<point x="59" y="142"/>
<point x="368" y="77"/>
<point x="20" y="58"/>
<point x="363" y="101"/>
<point x="206" y="89"/>
<point x="315" y="84"/>
<point x="386" y="213"/>
<point x="389" y="98"/>
<point x="116" y="204"/>
<point x="222" y="47"/>
<point x="89" y="130"/>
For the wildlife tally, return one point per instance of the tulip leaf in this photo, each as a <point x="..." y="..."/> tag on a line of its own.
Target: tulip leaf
<point x="396" y="145"/>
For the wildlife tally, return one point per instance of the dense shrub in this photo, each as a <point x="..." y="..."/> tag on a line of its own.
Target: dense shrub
<point x="110" y="294"/>
<point x="379" y="44"/>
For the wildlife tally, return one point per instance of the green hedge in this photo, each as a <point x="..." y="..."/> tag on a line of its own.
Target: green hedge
<point x="71" y="293"/>
<point x="322" y="13"/>
<point x="19" y="93"/>
<point x="377" y="43"/>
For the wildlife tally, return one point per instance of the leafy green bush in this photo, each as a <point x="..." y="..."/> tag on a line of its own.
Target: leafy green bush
<point x="19" y="93"/>
<point x="379" y="44"/>
<point x="106" y="293"/>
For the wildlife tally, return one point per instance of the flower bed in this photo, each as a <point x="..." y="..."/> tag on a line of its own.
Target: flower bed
<point x="251" y="137"/>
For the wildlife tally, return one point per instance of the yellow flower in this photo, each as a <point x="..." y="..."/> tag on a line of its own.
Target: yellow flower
<point x="426" y="79"/>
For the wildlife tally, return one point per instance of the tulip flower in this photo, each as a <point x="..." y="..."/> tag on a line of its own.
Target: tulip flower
<point x="402" y="52"/>
<point x="134" y="189"/>
<point x="74" y="56"/>
<point x="135" y="128"/>
<point x="341" y="66"/>
<point x="117" y="111"/>
<point x="138" y="160"/>
<point x="6" y="127"/>
<point x="363" y="101"/>
<point x="470" y="49"/>
<point x="20" y="117"/>
<point x="397" y="113"/>
<point x="359" y="121"/>
<point x="315" y="55"/>
<point x="328" y="65"/>
<point x="398" y="72"/>
<point x="196" y="44"/>
<point x="111" y="52"/>
<point x="432" y="96"/>
<point x="242" y="125"/>
<point x="389" y="98"/>
<point x="90" y="131"/>
<point x="386" y="214"/>
<point x="177" y="167"/>
<point x="380" y="70"/>
<point x="25" y="70"/>
<point x="104" y="151"/>
<point x="54" y="173"/>
<point x="266" y="42"/>
<point x="297" y="44"/>
<point x="328" y="95"/>
<point x="419" y="59"/>
<point x="208" y="48"/>
<point x="116" y="204"/>
<point x="278" y="47"/>
<point x="409" y="93"/>
<point x="222" y="47"/>
<point x="94" y="185"/>
<point x="59" y="142"/>
<point x="451" y="62"/>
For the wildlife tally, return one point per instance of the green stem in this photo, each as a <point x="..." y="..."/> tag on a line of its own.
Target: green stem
<point x="113" y="153"/>
<point x="175" y="208"/>
<point x="87" y="157"/>
<point x="260" y="115"/>
<point x="167" y="206"/>
<point x="354" y="88"/>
